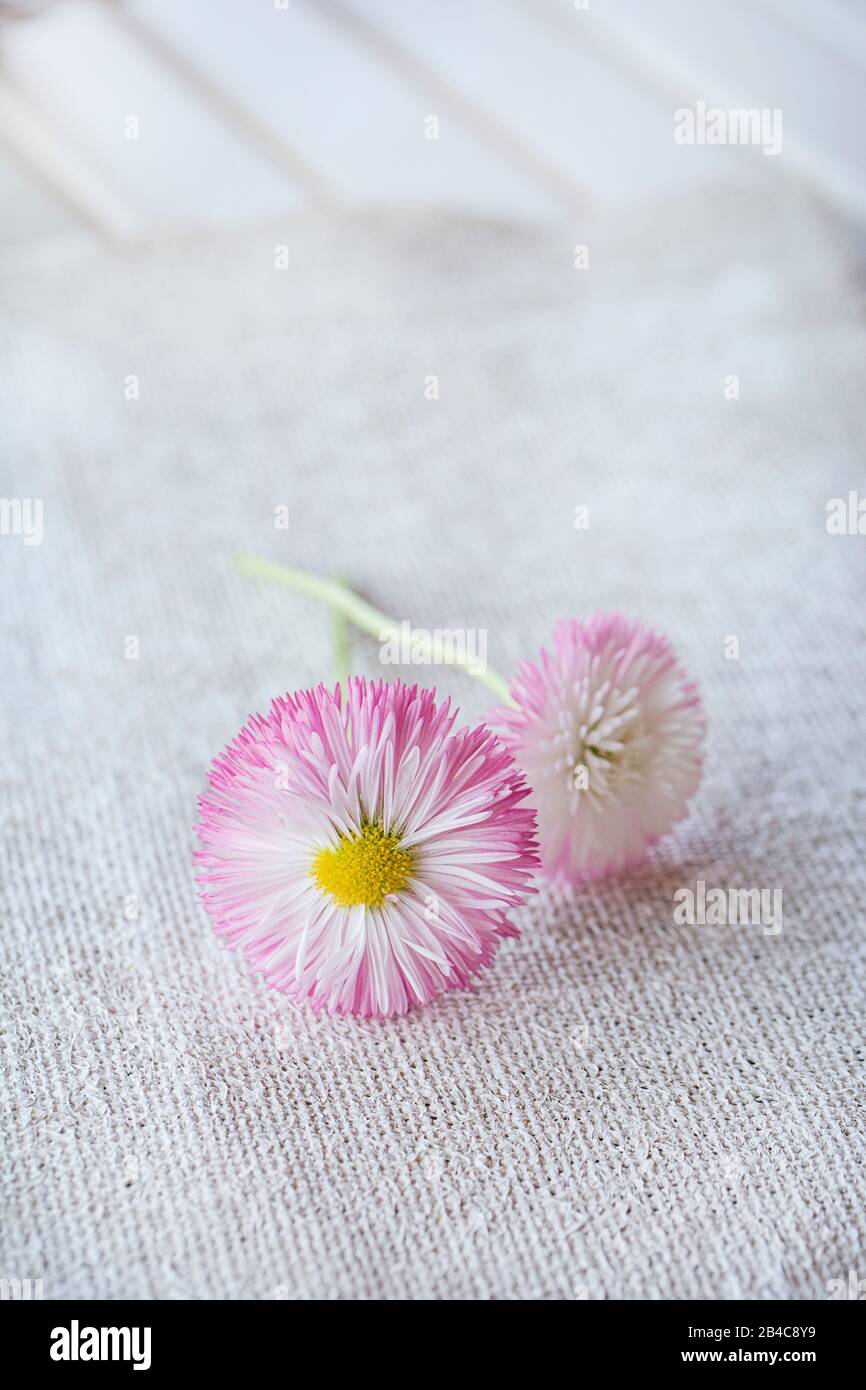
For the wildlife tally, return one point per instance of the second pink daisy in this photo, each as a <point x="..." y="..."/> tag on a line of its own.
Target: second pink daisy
<point x="609" y="731"/>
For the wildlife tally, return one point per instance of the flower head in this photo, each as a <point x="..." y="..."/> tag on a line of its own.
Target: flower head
<point x="609" y="731"/>
<point x="359" y="852"/>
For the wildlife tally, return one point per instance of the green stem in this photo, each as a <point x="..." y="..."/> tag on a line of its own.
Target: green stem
<point x="369" y="619"/>
<point x="340" y="630"/>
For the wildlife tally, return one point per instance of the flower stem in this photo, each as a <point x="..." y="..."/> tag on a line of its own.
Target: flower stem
<point x="340" y="630"/>
<point x="348" y="605"/>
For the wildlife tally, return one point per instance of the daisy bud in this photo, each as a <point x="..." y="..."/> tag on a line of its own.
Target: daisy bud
<point x="609" y="731"/>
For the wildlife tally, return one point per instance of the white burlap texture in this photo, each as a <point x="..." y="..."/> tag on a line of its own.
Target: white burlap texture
<point x="627" y="1107"/>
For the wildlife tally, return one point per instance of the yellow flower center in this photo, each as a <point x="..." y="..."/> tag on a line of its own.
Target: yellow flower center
<point x="364" y="868"/>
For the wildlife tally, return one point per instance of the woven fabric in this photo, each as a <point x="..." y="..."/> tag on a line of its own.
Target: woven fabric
<point x="627" y="1107"/>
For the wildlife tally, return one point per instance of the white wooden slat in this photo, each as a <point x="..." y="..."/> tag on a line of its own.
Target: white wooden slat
<point x="181" y="62"/>
<point x="546" y="83"/>
<point x="348" y="113"/>
<point x="738" y="55"/>
<point x="459" y="103"/>
<point x="28" y="212"/>
<point x="86" y="77"/>
<point x="831" y="25"/>
<point x="39" y="146"/>
<point x="857" y="8"/>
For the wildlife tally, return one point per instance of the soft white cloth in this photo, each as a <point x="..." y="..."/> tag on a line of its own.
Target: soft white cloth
<point x="627" y="1107"/>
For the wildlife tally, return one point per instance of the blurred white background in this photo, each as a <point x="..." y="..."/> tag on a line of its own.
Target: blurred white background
<point x="117" y="119"/>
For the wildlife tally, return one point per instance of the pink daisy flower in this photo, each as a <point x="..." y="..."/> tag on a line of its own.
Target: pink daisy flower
<point x="609" y="731"/>
<point x="361" y="854"/>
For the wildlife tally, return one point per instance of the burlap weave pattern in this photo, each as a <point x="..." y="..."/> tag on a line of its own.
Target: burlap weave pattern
<point x="627" y="1107"/>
